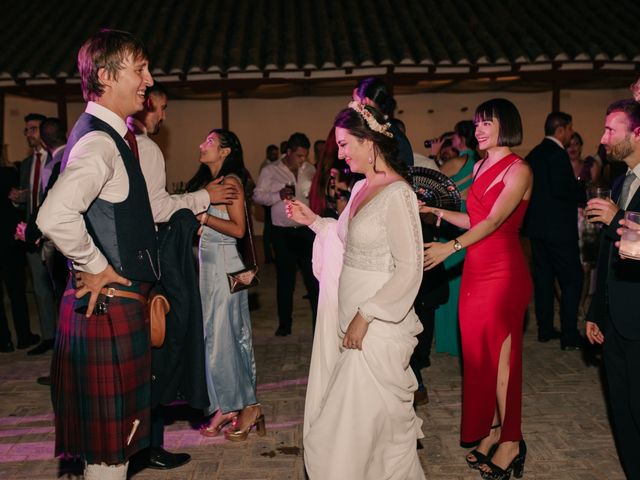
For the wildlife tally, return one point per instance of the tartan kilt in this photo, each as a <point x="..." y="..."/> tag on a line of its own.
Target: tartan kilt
<point x="101" y="381"/>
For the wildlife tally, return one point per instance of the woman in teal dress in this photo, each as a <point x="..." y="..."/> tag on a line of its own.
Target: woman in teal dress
<point x="230" y="364"/>
<point x="460" y="170"/>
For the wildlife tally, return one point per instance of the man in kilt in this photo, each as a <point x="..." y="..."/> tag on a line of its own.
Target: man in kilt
<point x="98" y="215"/>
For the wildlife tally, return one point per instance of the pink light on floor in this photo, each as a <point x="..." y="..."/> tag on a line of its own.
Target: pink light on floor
<point x="294" y="382"/>
<point x="175" y="439"/>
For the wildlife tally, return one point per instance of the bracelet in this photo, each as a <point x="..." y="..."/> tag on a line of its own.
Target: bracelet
<point x="439" y="214"/>
<point x="205" y="219"/>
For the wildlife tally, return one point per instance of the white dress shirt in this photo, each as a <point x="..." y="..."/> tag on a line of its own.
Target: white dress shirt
<point x="94" y="170"/>
<point x="273" y="178"/>
<point x="152" y="163"/>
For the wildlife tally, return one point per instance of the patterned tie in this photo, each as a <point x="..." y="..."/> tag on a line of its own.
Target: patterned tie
<point x="626" y="186"/>
<point x="133" y="144"/>
<point x="35" y="186"/>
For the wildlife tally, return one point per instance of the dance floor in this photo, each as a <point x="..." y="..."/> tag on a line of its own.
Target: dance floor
<point x="564" y="414"/>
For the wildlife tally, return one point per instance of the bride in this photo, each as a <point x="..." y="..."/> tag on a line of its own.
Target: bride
<point x="359" y="418"/>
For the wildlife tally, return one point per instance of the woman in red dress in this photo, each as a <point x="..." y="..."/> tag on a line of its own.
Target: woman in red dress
<point x="495" y="292"/>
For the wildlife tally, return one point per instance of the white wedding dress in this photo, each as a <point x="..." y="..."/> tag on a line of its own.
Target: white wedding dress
<point x="359" y="418"/>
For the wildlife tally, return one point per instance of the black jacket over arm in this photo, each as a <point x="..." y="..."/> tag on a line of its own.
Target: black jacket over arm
<point x="618" y="280"/>
<point x="178" y="367"/>
<point x="553" y="209"/>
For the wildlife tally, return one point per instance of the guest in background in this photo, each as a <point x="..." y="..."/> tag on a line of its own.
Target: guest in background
<point x="12" y="265"/>
<point x="318" y="147"/>
<point x="181" y="346"/>
<point x="586" y="170"/>
<point x="552" y="227"/>
<point x="230" y="363"/>
<point x="267" y="241"/>
<point x="33" y="170"/>
<point x="290" y="176"/>
<point x="587" y="173"/>
<point x="374" y="92"/>
<point x="460" y="170"/>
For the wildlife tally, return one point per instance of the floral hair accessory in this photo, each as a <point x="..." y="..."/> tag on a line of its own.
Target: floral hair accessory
<point x="370" y="119"/>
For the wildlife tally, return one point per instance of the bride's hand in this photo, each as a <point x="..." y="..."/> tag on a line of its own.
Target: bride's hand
<point x="356" y="331"/>
<point x="299" y="212"/>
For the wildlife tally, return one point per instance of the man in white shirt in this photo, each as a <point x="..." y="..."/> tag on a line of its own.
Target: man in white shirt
<point x="147" y="122"/>
<point x="163" y="206"/>
<point x="288" y="177"/>
<point x="99" y="216"/>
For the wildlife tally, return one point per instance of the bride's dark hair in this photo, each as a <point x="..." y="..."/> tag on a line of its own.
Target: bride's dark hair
<point x="386" y="146"/>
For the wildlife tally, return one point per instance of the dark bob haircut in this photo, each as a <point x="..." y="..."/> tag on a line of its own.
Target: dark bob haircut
<point x="509" y="121"/>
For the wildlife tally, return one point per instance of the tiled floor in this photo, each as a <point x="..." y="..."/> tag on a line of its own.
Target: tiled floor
<point x="564" y="414"/>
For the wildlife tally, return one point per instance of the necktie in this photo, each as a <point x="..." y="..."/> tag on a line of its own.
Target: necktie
<point x="626" y="186"/>
<point x="35" y="186"/>
<point x="133" y="144"/>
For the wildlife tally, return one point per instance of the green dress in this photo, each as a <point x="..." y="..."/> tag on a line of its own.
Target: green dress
<point x="447" y="330"/>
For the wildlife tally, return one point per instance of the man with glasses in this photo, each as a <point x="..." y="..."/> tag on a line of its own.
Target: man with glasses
<point x="35" y="171"/>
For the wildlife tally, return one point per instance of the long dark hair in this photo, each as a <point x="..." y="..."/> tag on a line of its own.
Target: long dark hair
<point x="233" y="164"/>
<point x="466" y="130"/>
<point x="377" y="91"/>
<point x="386" y="146"/>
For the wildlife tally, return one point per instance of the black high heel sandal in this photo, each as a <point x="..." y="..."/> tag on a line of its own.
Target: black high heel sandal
<point x="481" y="457"/>
<point x="516" y="466"/>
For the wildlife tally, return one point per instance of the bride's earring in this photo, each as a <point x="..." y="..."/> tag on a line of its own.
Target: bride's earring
<point x="370" y="160"/>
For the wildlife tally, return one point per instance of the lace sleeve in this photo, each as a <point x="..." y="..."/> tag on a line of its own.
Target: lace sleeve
<point x="394" y="300"/>
<point x="321" y="224"/>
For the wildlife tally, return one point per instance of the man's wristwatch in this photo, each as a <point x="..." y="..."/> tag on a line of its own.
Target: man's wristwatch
<point x="457" y="246"/>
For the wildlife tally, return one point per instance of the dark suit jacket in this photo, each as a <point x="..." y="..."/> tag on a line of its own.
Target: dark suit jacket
<point x="9" y="215"/>
<point x="45" y="173"/>
<point x="553" y="209"/>
<point x="32" y="232"/>
<point x="178" y="367"/>
<point x="618" y="280"/>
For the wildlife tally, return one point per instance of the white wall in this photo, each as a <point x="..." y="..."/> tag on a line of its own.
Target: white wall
<point x="259" y="122"/>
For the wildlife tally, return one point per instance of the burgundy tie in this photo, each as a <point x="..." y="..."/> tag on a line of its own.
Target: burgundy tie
<point x="35" y="186"/>
<point x="131" y="140"/>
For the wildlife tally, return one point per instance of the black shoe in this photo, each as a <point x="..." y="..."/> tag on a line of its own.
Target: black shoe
<point x="516" y="466"/>
<point x="46" y="381"/>
<point x="160" y="459"/>
<point x="32" y="339"/>
<point x="545" y="337"/>
<point x="420" y="396"/>
<point x="6" y="347"/>
<point x="44" y="347"/>
<point x="283" y="331"/>
<point x="570" y="346"/>
<point x="480" y="457"/>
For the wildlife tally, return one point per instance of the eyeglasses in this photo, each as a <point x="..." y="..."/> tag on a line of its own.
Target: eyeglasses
<point x="28" y="130"/>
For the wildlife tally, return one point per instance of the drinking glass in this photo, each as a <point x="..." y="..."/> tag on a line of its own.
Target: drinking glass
<point x="598" y="192"/>
<point x="291" y="186"/>
<point x="630" y="239"/>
